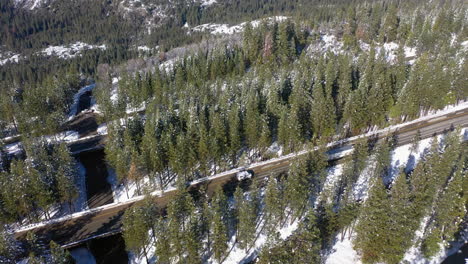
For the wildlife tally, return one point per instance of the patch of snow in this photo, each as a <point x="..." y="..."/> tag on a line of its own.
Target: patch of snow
<point x="66" y="136"/>
<point x="70" y="51"/>
<point x="275" y="149"/>
<point x="168" y="65"/>
<point x="330" y="43"/>
<point x="343" y="253"/>
<point x="404" y="157"/>
<point x="220" y="29"/>
<point x="102" y="129"/>
<point x="123" y="193"/>
<point x="391" y="49"/>
<point x="208" y="2"/>
<point x="36" y="3"/>
<point x="464" y="44"/>
<point x="11" y="59"/>
<point x="144" y="48"/>
<point x="361" y="188"/>
<point x="82" y="255"/>
<point x="13" y="148"/>
<point x="410" y="52"/>
<point x="415" y="256"/>
<point x="237" y="255"/>
<point x="76" y="100"/>
<point x="333" y="175"/>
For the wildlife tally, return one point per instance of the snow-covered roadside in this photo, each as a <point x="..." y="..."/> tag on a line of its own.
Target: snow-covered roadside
<point x="431" y="115"/>
<point x="67" y="137"/>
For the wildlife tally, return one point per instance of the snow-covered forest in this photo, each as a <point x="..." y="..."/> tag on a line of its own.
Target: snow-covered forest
<point x="196" y="88"/>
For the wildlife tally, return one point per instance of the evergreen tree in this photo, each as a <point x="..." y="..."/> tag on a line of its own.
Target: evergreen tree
<point x="66" y="171"/>
<point x="163" y="247"/>
<point x="402" y="223"/>
<point x="297" y="187"/>
<point x="246" y="219"/>
<point x="274" y="208"/>
<point x="219" y="225"/>
<point x="135" y="231"/>
<point x="372" y="227"/>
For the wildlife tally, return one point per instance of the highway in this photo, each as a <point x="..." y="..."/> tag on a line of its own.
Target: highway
<point x="105" y="220"/>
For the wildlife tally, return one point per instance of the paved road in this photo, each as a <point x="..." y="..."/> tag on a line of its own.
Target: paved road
<point x="105" y="220"/>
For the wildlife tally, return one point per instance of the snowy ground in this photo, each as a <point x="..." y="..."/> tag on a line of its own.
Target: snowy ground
<point x="219" y="29"/>
<point x="207" y="2"/>
<point x="9" y="58"/>
<point x="330" y="43"/>
<point x="122" y="194"/>
<point x="402" y="157"/>
<point x="71" y="50"/>
<point x="343" y="253"/>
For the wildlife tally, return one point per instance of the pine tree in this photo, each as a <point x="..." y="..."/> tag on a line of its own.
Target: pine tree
<point x="402" y="224"/>
<point x="274" y="208"/>
<point x="163" y="247"/>
<point x="246" y="219"/>
<point x="192" y="240"/>
<point x="234" y="133"/>
<point x="65" y="175"/>
<point x="372" y="227"/>
<point x="297" y="187"/>
<point x="345" y="85"/>
<point x="309" y="240"/>
<point x="219" y="225"/>
<point x="203" y="150"/>
<point x="135" y="231"/>
<point x="323" y="116"/>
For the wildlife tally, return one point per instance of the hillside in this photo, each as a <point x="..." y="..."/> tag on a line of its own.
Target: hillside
<point x="102" y="102"/>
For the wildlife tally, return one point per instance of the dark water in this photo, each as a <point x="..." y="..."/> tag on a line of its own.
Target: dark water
<point x="84" y="101"/>
<point x="109" y="250"/>
<point x="461" y="257"/>
<point x="98" y="189"/>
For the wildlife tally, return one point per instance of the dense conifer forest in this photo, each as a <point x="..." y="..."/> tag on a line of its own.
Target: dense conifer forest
<point x="199" y="104"/>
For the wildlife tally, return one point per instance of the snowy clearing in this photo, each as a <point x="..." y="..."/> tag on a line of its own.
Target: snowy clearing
<point x="219" y="29"/>
<point x="71" y="50"/>
<point x="9" y="58"/>
<point x="208" y="2"/>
